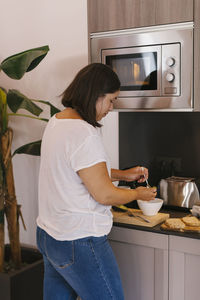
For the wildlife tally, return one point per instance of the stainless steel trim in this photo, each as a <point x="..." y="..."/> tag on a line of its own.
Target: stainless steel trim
<point x="175" y="26"/>
<point x="171" y="51"/>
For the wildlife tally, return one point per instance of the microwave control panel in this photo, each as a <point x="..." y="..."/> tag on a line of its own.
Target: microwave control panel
<point x="171" y="72"/>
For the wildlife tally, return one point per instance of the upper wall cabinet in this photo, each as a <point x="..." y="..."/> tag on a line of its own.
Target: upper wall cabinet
<point x="173" y="11"/>
<point x="104" y="15"/>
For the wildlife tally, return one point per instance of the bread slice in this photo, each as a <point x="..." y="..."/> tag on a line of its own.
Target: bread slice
<point x="191" y="221"/>
<point x="174" y="223"/>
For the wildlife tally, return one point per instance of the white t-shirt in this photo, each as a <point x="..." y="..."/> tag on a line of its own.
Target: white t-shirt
<point x="67" y="211"/>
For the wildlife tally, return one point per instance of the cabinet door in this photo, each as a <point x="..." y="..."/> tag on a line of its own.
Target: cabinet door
<point x="105" y="15"/>
<point x="143" y="262"/>
<point x="184" y="268"/>
<point x="173" y="11"/>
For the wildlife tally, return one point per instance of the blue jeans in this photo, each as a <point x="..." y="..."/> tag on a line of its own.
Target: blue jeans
<point x="84" y="267"/>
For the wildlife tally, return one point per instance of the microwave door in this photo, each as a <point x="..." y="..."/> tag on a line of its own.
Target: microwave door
<point x="138" y="68"/>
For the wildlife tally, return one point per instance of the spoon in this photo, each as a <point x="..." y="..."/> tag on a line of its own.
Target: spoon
<point x="148" y="185"/>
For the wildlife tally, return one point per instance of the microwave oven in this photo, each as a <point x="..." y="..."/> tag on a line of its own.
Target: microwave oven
<point x="154" y="65"/>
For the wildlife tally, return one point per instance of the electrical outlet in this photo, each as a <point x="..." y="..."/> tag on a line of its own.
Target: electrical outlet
<point x="174" y="163"/>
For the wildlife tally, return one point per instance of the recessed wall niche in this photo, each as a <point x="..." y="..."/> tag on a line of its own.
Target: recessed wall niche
<point x="168" y="143"/>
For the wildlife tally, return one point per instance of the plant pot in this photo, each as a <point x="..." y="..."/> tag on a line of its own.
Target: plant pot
<point x="26" y="283"/>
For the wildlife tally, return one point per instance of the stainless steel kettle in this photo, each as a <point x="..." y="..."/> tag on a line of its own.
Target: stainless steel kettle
<point x="179" y="191"/>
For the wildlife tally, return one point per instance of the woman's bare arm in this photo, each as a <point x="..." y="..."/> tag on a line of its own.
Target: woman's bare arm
<point x="100" y="186"/>
<point x="136" y="173"/>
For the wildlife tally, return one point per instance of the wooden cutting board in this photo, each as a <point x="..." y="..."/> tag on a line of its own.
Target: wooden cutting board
<point x="123" y="217"/>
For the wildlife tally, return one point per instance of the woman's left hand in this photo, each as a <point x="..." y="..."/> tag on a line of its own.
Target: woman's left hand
<point x="137" y="173"/>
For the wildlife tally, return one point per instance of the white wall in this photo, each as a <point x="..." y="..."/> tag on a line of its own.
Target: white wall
<point x="26" y="24"/>
<point x="110" y="132"/>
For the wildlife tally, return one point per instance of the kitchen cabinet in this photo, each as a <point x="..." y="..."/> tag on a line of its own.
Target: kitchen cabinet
<point x="173" y="11"/>
<point x="184" y="268"/>
<point x="156" y="266"/>
<point x="143" y="261"/>
<point x="106" y="15"/>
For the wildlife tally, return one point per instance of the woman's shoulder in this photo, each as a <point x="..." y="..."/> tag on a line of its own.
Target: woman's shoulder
<point x="75" y="126"/>
<point x="85" y="129"/>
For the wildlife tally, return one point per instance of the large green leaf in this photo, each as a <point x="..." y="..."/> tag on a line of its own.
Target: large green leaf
<point x="31" y="149"/>
<point x="17" y="65"/>
<point x="53" y="110"/>
<point x="16" y="100"/>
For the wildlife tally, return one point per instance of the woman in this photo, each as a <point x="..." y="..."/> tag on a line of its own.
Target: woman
<point x="76" y="193"/>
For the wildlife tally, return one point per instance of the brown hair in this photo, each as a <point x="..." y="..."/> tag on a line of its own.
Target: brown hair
<point x="93" y="81"/>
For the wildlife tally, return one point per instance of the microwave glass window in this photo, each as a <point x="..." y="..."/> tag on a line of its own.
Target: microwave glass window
<point x="137" y="71"/>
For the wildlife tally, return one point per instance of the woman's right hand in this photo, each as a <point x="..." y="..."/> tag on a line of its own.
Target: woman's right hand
<point x="146" y="194"/>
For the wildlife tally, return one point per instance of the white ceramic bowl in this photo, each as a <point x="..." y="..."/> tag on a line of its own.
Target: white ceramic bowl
<point x="150" y="208"/>
<point x="124" y="187"/>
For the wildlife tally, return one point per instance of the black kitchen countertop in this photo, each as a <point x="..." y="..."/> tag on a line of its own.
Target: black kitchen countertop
<point x="174" y="213"/>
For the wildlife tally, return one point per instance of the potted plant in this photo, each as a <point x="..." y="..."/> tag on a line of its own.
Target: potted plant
<point x="13" y="258"/>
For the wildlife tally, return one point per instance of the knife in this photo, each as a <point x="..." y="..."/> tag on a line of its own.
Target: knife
<point x="132" y="214"/>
